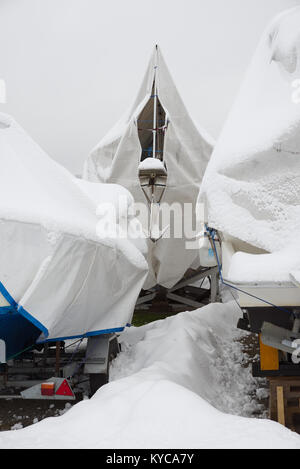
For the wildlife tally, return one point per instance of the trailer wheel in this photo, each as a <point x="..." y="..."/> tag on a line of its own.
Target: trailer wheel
<point x="97" y="380"/>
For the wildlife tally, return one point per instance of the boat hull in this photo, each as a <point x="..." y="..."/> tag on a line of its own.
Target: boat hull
<point x="17" y="332"/>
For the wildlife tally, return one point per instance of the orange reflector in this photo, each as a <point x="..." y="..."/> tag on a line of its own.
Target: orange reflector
<point x="64" y="389"/>
<point x="269" y="357"/>
<point x="47" y="389"/>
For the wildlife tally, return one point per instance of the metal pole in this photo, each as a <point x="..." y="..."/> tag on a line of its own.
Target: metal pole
<point x="155" y="108"/>
<point x="57" y="360"/>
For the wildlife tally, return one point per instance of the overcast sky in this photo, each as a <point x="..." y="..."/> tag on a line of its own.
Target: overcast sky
<point x="72" y="67"/>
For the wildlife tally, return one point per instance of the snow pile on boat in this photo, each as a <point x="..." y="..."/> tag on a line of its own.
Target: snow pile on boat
<point x="252" y="183"/>
<point x="152" y="164"/>
<point x="54" y="269"/>
<point x="174" y="385"/>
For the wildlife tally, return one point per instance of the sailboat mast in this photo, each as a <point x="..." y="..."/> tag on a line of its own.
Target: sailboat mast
<point x="155" y="107"/>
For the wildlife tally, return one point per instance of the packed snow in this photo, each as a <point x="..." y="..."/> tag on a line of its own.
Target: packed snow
<point x="251" y="186"/>
<point x="152" y="164"/>
<point x="263" y="268"/>
<point x="178" y="383"/>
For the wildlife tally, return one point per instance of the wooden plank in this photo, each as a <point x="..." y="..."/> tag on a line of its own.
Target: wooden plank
<point x="280" y="405"/>
<point x="284" y="400"/>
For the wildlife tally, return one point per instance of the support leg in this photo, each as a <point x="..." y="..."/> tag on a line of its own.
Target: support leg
<point x="214" y="286"/>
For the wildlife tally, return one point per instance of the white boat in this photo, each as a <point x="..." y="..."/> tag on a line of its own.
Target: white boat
<point x="252" y="194"/>
<point x="57" y="278"/>
<point x="158" y="154"/>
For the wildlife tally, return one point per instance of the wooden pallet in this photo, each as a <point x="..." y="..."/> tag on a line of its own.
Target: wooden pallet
<point x="284" y="402"/>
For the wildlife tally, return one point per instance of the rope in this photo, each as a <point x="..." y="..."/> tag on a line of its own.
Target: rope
<point x="163" y="128"/>
<point x="70" y="345"/>
<point x="19" y="353"/>
<point x="73" y="343"/>
<point x="74" y="353"/>
<point x="151" y="120"/>
<point x="211" y="233"/>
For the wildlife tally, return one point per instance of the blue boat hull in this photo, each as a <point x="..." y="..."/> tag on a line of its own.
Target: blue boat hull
<point x="17" y="332"/>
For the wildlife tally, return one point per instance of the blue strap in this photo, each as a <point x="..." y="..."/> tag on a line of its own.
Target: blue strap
<point x="18" y="308"/>
<point x="7" y="296"/>
<point x="7" y="309"/>
<point x="33" y="320"/>
<point x="87" y="334"/>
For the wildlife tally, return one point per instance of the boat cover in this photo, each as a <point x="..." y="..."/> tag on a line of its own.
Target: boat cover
<point x="54" y="269"/>
<point x="252" y="183"/>
<point x="186" y="152"/>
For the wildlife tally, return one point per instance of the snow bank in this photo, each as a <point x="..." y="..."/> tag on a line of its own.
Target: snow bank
<point x="174" y="386"/>
<point x="252" y="185"/>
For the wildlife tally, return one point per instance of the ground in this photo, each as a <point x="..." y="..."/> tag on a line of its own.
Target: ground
<point x="181" y="382"/>
<point x="15" y="413"/>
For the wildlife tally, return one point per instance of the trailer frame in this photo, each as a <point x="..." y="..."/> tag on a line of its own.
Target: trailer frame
<point x="90" y="363"/>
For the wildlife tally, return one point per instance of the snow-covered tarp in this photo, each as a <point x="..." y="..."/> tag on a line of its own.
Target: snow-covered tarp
<point x="176" y="384"/>
<point x="252" y="183"/>
<point x="185" y="151"/>
<point x="54" y="269"/>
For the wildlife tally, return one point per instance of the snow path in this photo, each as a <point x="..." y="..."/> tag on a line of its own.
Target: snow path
<point x="179" y="348"/>
<point x="175" y="385"/>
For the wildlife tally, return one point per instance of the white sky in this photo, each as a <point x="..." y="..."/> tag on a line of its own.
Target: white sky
<point x="72" y="67"/>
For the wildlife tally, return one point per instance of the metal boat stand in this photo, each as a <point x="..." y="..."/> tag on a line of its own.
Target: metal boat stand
<point x="184" y="295"/>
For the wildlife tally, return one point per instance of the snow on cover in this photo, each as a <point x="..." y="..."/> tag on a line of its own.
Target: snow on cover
<point x="252" y="183"/>
<point x="66" y="279"/>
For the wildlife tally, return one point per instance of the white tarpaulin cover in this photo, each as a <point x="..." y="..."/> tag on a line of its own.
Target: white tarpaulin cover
<point x="185" y="153"/>
<point x="53" y="267"/>
<point x="252" y="183"/>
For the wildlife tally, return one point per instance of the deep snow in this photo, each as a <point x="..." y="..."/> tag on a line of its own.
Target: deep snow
<point x="251" y="185"/>
<point x="174" y="385"/>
